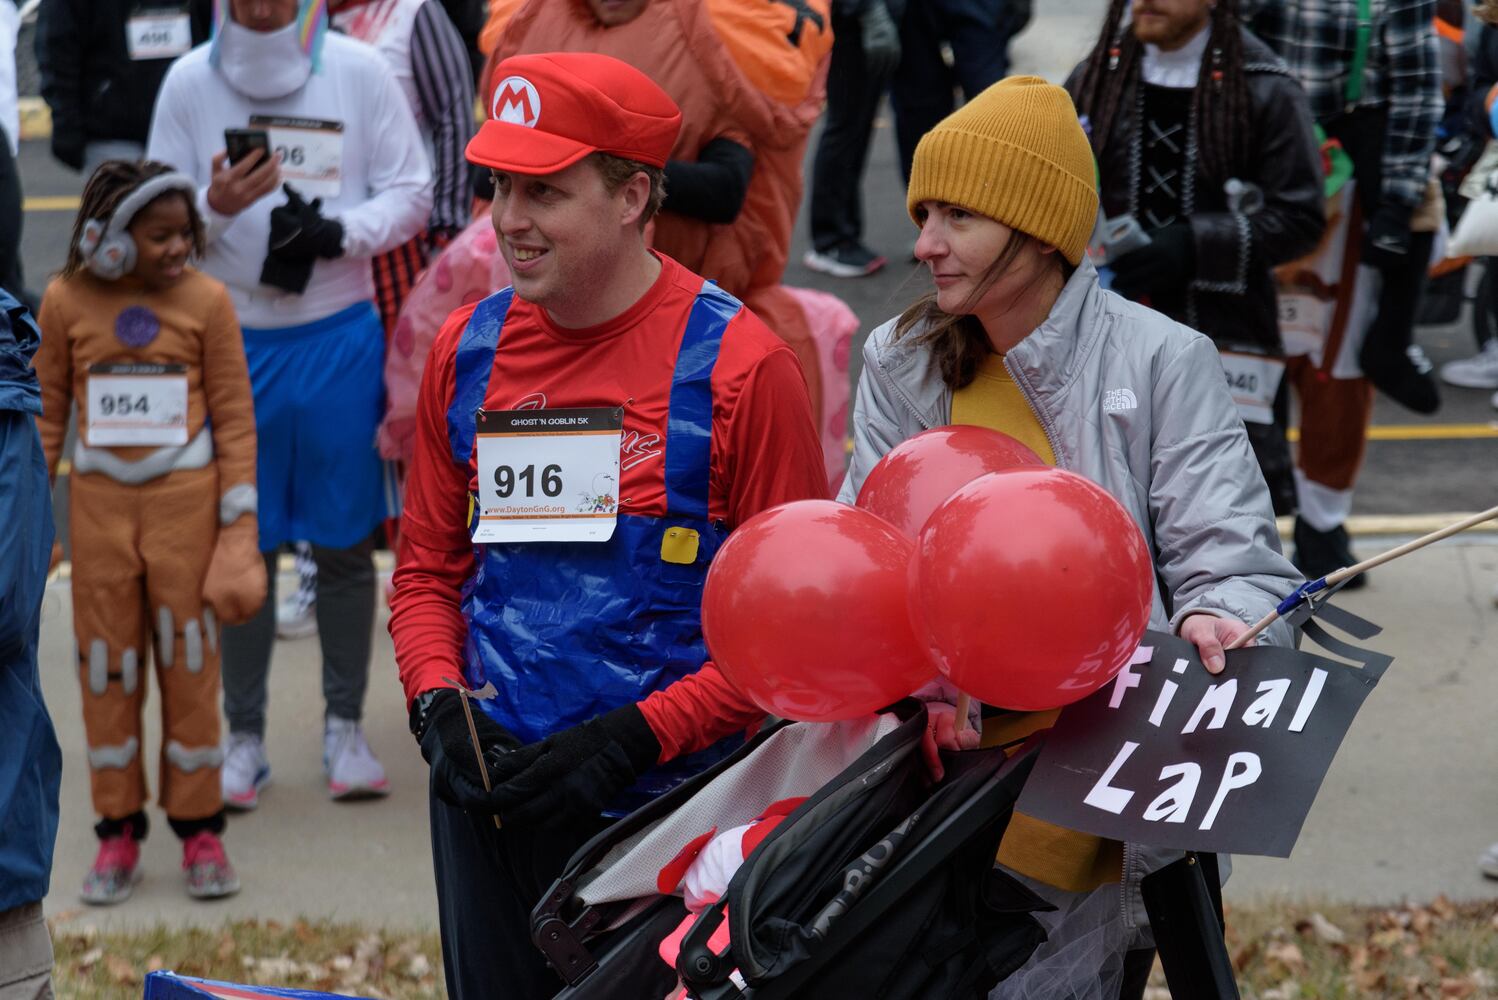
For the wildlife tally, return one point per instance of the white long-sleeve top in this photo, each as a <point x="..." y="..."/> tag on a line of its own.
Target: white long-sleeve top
<point x="386" y="191"/>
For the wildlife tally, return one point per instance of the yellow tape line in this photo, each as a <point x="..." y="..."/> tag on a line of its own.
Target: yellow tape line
<point x="51" y="203"/>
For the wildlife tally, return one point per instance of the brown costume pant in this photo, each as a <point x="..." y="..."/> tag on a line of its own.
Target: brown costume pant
<point x="140" y="555"/>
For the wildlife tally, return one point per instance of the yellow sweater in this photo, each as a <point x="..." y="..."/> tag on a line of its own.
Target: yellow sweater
<point x="1066" y="859"/>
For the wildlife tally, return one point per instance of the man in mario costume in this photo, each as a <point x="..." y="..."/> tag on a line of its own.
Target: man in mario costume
<point x="585" y="441"/>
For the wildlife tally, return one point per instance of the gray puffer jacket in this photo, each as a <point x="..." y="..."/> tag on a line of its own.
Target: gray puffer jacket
<point x="1138" y="404"/>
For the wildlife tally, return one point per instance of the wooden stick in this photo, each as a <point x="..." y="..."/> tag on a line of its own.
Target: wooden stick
<point x="963" y="701"/>
<point x="1334" y="578"/>
<point x="473" y="734"/>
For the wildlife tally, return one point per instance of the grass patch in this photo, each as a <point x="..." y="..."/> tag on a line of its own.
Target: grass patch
<point x="332" y="957"/>
<point x="1281" y="951"/>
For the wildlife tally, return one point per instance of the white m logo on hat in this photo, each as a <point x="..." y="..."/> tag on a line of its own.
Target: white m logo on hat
<point x="516" y="102"/>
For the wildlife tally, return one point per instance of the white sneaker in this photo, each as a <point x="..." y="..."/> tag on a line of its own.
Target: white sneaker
<point x="296" y="616"/>
<point x="1477" y="372"/>
<point x="246" y="770"/>
<point x="353" y="771"/>
<point x="1488" y="863"/>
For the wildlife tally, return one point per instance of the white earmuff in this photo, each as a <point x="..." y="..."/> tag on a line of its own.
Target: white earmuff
<point x="107" y="246"/>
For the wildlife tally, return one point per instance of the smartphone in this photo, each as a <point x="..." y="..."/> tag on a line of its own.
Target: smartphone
<point x="240" y="142"/>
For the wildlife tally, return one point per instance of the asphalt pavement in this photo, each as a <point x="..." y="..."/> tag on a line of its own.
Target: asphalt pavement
<point x="1409" y="803"/>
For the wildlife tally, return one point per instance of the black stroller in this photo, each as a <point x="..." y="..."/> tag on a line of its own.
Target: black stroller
<point x="880" y="884"/>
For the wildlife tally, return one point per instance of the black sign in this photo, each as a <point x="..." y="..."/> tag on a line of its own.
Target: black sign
<point x="1171" y="756"/>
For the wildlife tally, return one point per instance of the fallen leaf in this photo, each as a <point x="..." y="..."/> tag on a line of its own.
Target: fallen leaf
<point x="225" y="946"/>
<point x="418" y="967"/>
<point x="1288" y="990"/>
<point x="1325" y="931"/>
<point x="1287" y="954"/>
<point x="1441" y="907"/>
<point x="121" y="971"/>
<point x="89" y="958"/>
<point x="155" y="963"/>
<point x="1457" y="988"/>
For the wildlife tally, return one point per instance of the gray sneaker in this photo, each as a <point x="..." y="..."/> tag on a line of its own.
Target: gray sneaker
<point x="1477" y="372"/>
<point x="245" y="772"/>
<point x="1488" y="863"/>
<point x="353" y="770"/>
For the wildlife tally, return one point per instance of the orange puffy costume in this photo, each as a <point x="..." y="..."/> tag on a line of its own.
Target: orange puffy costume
<point x="750" y="72"/>
<point x="152" y="566"/>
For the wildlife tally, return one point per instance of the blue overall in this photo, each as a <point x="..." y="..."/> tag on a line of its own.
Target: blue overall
<point x="569" y="630"/>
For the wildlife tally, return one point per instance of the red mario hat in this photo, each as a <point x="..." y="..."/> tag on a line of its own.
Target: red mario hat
<point x="551" y="110"/>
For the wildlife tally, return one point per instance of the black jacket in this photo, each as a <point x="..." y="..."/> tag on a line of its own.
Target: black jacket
<point x="1231" y="297"/>
<point x="94" y="89"/>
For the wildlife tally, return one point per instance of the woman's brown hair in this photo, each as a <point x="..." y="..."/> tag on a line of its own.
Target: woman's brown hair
<point x="106" y="188"/>
<point x="957" y="342"/>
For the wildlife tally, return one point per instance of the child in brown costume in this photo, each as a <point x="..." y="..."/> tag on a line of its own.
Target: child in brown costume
<point x="162" y="506"/>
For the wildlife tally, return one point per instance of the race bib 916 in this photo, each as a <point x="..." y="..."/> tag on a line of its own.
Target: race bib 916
<point x="548" y="475"/>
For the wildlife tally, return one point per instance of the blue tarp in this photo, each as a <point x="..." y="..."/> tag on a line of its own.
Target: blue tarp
<point x="170" y="986"/>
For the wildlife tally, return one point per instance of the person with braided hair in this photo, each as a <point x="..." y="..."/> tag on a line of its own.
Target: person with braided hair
<point x="1205" y="142"/>
<point x="162" y="506"/>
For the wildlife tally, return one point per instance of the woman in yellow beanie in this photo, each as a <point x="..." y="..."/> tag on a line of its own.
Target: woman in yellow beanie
<point x="1019" y="336"/>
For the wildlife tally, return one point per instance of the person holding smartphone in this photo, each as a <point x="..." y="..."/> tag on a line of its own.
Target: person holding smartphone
<point x="292" y="237"/>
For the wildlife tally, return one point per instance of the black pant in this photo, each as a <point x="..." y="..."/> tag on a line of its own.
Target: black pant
<point x="843" y="148"/>
<point x="10" y="224"/>
<point x="922" y="90"/>
<point x="1361" y="133"/>
<point x="488" y="881"/>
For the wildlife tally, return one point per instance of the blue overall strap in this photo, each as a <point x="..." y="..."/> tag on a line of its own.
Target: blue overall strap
<point x="471" y="370"/>
<point x="689" y="425"/>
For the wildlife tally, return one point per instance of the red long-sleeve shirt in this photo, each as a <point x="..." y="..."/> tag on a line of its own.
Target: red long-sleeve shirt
<point x="764" y="452"/>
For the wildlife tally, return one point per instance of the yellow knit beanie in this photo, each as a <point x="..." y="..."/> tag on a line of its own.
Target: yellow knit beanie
<point x="1015" y="153"/>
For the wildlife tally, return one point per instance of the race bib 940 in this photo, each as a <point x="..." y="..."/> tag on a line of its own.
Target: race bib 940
<point x="548" y="475"/>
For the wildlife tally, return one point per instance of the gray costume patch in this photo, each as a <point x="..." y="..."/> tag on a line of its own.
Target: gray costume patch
<point x="189" y="759"/>
<point x="129" y="671"/>
<point x="98" y="666"/>
<point x="192" y="640"/>
<point x="116" y="757"/>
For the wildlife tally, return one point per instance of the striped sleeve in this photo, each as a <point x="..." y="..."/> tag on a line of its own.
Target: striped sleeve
<point x="444" y="85"/>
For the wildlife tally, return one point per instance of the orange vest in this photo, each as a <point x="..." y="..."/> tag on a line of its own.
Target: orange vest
<point x="735" y="73"/>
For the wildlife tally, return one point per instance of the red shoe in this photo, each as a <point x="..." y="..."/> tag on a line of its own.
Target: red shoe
<point x="209" y="874"/>
<point x="115" y="871"/>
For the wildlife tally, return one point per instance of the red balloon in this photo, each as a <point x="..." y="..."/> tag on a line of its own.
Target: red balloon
<point x="920" y="472"/>
<point x="805" y="610"/>
<point x="1031" y="588"/>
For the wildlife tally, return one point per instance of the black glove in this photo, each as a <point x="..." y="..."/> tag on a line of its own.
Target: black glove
<point x="881" y="41"/>
<point x="439" y="725"/>
<point x="573" y="775"/>
<point x="298" y="230"/>
<point x="298" y="236"/>
<point x="1166" y="263"/>
<point x="1386" y="241"/>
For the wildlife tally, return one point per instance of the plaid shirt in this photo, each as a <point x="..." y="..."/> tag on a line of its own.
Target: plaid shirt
<point x="1316" y="38"/>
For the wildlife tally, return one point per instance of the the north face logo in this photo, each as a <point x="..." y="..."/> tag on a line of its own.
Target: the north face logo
<point x="516" y="102"/>
<point x="1119" y="399"/>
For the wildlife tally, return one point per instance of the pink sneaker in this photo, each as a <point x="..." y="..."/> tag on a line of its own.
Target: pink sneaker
<point x="209" y="874"/>
<point x="115" y="871"/>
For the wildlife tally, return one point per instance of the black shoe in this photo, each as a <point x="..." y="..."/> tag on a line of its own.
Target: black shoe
<point x="1404" y="378"/>
<point x="1318" y="553"/>
<point x="847" y="260"/>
